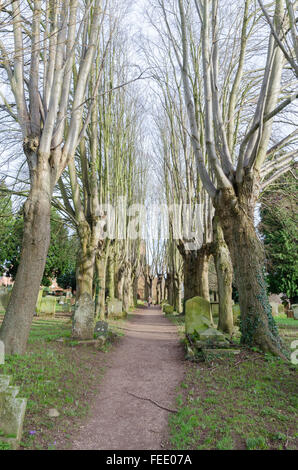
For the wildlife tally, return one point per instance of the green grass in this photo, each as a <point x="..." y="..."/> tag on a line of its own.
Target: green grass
<point x="286" y="321"/>
<point x="57" y="375"/>
<point x="249" y="401"/>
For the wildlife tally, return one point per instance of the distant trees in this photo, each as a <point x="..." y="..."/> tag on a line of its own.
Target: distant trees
<point x="61" y="257"/>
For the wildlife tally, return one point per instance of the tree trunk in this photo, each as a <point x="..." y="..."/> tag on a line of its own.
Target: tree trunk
<point x="169" y="289"/>
<point x="111" y="276"/>
<point x="119" y="285"/>
<point x="224" y="270"/>
<point x="196" y="282"/>
<point x="177" y="303"/>
<point x="237" y="220"/>
<point x="127" y="288"/>
<point x="36" y="239"/>
<point x="83" y="321"/>
<point x="101" y="267"/>
<point x="135" y="290"/>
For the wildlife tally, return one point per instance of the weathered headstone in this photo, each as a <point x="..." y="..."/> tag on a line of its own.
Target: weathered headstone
<point x="101" y="328"/>
<point x="12" y="412"/>
<point x="274" y="309"/>
<point x="83" y="318"/>
<point x="39" y="299"/>
<point x="215" y="309"/>
<point x="197" y="315"/>
<point x="115" y="309"/>
<point x="295" y="310"/>
<point x="236" y="313"/>
<point x="48" y="305"/>
<point x="4" y="299"/>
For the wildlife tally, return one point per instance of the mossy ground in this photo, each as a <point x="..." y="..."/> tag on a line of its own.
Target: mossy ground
<point x="55" y="374"/>
<point x="249" y="401"/>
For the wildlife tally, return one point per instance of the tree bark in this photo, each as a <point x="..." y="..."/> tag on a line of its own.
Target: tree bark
<point x="224" y="270"/>
<point x="177" y="303"/>
<point x="36" y="239"/>
<point x="119" y="285"/>
<point x="237" y="220"/>
<point x="169" y="288"/>
<point x="111" y="276"/>
<point x="196" y="282"/>
<point x="135" y="290"/>
<point x="101" y="267"/>
<point x="83" y="321"/>
<point x="127" y="287"/>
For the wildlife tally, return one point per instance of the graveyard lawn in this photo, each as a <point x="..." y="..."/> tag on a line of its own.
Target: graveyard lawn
<point x="55" y="374"/>
<point x="248" y="401"/>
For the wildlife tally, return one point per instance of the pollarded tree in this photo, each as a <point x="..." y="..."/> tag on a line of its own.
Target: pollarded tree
<point x="104" y="170"/>
<point x="192" y="224"/>
<point x="240" y="163"/>
<point x="46" y="40"/>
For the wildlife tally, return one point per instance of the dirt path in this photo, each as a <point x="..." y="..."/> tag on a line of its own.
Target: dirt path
<point x="147" y="362"/>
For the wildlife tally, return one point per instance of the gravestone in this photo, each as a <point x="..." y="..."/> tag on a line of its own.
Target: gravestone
<point x="48" y="305"/>
<point x="295" y="311"/>
<point x="4" y="299"/>
<point x="274" y="309"/>
<point x="12" y="413"/>
<point x="101" y="328"/>
<point x="39" y="300"/>
<point x="198" y="315"/>
<point x="115" y="309"/>
<point x="236" y="314"/>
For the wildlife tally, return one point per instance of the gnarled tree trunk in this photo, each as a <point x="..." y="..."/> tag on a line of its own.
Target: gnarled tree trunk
<point x="237" y="220"/>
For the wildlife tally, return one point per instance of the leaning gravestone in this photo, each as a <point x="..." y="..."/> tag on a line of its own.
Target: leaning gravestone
<point x="101" y="328"/>
<point x="115" y="309"/>
<point x="12" y="410"/>
<point x="295" y="310"/>
<point x="198" y="315"/>
<point x="4" y="299"/>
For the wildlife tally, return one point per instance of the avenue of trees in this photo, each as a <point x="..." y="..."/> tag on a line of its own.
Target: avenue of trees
<point x="217" y="85"/>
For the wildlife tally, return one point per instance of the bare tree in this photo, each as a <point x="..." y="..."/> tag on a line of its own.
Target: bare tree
<point x="238" y="185"/>
<point x="49" y="91"/>
<point x="286" y="36"/>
